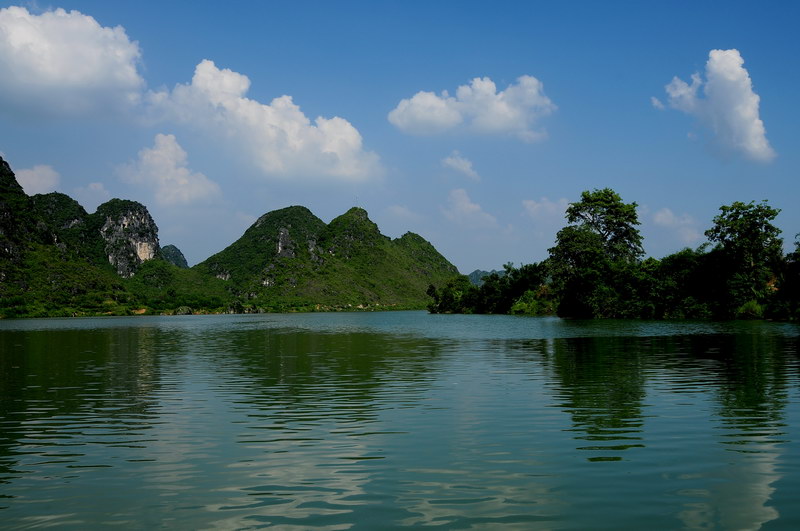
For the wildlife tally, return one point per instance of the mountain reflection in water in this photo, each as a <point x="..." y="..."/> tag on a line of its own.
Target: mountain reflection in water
<point x="395" y="419"/>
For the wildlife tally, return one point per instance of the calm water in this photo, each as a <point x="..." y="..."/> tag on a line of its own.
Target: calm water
<point x="374" y="421"/>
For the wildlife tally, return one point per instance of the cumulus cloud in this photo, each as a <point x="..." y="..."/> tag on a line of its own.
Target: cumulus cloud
<point x="461" y="164"/>
<point x="683" y="225"/>
<point x="461" y="210"/>
<point x="64" y="63"/>
<point x="728" y="105"/>
<point x="40" y="179"/>
<point x="477" y="107"/>
<point x="278" y="137"/>
<point x="163" y="169"/>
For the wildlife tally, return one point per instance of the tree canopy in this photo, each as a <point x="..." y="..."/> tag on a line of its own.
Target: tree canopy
<point x="604" y="213"/>
<point x="589" y="263"/>
<point x="595" y="269"/>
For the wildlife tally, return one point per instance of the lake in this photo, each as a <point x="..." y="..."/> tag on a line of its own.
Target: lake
<point x="393" y="419"/>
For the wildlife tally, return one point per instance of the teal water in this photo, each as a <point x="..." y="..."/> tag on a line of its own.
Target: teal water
<point x="386" y="420"/>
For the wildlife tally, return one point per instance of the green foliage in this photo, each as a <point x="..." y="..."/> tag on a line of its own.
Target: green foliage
<point x="594" y="270"/>
<point x="161" y="286"/>
<point x="750" y="310"/>
<point x="785" y="303"/>
<point x="454" y="297"/>
<point x="682" y="284"/>
<point x="54" y="260"/>
<point x="477" y="276"/>
<point x="53" y="283"/>
<point x="594" y="262"/>
<point x="751" y="248"/>
<point x="521" y="290"/>
<point x="291" y="255"/>
<point x="603" y="213"/>
<point x="174" y="256"/>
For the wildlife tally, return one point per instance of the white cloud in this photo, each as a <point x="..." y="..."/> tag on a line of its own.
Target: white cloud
<point x="546" y="210"/>
<point x="729" y="107"/>
<point x="277" y="137"/>
<point x="461" y="165"/>
<point x="684" y="225"/>
<point x="66" y="64"/>
<point x="91" y="195"/>
<point x="40" y="179"/>
<point x="479" y="108"/>
<point x="426" y="113"/>
<point x="461" y="210"/>
<point x="657" y="103"/>
<point x="163" y="169"/>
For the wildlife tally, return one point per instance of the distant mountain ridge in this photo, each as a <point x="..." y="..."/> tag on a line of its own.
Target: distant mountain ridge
<point x="291" y="253"/>
<point x="56" y="259"/>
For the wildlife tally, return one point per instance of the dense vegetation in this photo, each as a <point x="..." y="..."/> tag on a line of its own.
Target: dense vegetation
<point x="58" y="260"/>
<point x="289" y="257"/>
<point x="596" y="269"/>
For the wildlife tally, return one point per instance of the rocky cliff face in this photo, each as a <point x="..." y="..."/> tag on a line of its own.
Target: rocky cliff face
<point x="129" y="234"/>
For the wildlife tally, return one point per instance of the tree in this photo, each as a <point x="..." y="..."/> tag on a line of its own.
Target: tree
<point x="453" y="297"/>
<point x="746" y="232"/>
<point x="593" y="262"/>
<point x="603" y="213"/>
<point x="752" y="249"/>
<point x="786" y="304"/>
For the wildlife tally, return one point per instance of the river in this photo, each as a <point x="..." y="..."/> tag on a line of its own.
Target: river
<point x="394" y="419"/>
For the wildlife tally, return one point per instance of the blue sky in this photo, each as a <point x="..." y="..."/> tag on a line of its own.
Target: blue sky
<point x="470" y="123"/>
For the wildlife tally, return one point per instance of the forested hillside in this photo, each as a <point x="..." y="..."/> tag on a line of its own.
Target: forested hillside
<point x="58" y="260"/>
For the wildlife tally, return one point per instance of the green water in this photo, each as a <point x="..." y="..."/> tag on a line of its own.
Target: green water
<point x="385" y="420"/>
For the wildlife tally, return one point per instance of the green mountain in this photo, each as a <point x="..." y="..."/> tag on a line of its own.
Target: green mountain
<point x="174" y="256"/>
<point x="58" y="260"/>
<point x="291" y="257"/>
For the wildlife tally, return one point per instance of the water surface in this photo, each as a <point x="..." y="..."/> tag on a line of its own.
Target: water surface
<point x="383" y="420"/>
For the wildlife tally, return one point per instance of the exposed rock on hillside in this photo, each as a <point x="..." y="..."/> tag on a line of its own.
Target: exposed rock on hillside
<point x="129" y="233"/>
<point x="57" y="260"/>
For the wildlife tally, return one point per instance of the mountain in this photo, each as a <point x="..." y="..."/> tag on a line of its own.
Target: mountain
<point x="174" y="256"/>
<point x="58" y="260"/>
<point x="476" y="277"/>
<point x="290" y="256"/>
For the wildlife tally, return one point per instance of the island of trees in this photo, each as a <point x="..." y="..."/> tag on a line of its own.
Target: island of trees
<point x="596" y="269"/>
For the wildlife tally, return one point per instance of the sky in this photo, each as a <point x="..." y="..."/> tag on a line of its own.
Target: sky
<point x="473" y="124"/>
